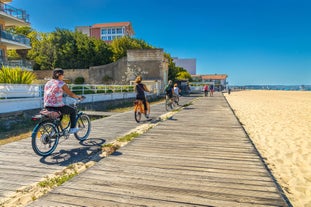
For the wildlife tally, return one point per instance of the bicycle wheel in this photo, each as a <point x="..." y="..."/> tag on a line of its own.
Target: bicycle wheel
<point x="44" y="138"/>
<point x="84" y="125"/>
<point x="168" y="104"/>
<point x="137" y="112"/>
<point x="176" y="100"/>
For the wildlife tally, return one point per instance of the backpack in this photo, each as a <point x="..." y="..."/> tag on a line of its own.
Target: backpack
<point x="168" y="89"/>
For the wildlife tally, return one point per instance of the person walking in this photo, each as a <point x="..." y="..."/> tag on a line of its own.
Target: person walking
<point x="205" y="89"/>
<point x="176" y="93"/>
<point x="211" y="90"/>
<point x="53" y="97"/>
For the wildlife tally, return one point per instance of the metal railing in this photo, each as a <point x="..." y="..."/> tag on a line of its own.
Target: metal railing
<point x="14" y="12"/>
<point x="10" y="91"/>
<point x="16" y="38"/>
<point x="24" y="64"/>
<point x="17" y="97"/>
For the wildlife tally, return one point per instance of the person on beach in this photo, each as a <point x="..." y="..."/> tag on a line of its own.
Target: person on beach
<point x="211" y="90"/>
<point x="205" y="89"/>
<point x="53" y="97"/>
<point x="140" y="93"/>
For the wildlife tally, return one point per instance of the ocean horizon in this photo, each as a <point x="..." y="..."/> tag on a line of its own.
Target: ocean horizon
<point x="274" y="87"/>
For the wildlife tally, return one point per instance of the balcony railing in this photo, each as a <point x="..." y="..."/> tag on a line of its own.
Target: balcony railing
<point x="16" y="38"/>
<point x="24" y="64"/>
<point x="14" y="12"/>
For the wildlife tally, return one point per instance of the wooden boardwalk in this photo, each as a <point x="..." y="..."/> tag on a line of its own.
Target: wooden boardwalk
<point x="199" y="157"/>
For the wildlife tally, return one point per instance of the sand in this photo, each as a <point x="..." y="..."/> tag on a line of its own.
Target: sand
<point x="279" y="124"/>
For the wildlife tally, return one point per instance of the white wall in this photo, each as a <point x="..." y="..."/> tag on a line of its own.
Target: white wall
<point x="21" y="104"/>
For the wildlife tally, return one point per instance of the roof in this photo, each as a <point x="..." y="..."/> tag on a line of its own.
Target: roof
<point x="214" y="77"/>
<point x="115" y="24"/>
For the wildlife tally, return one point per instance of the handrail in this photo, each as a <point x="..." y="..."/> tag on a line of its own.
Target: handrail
<point x="14" y="12"/>
<point x="16" y="38"/>
<point x="9" y="91"/>
<point x="24" y="64"/>
<point x="17" y="97"/>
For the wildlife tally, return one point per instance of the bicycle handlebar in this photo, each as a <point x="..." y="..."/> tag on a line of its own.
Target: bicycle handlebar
<point x="82" y="98"/>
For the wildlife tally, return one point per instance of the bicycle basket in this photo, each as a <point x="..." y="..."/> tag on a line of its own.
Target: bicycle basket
<point x="50" y="114"/>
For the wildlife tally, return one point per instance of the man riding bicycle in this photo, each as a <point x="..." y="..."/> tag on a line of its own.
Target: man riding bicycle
<point x="169" y="90"/>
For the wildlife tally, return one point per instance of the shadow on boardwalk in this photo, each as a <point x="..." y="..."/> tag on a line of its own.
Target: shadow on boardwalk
<point x="199" y="157"/>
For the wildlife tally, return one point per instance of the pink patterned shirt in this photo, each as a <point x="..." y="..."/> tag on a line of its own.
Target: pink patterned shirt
<point x="53" y="93"/>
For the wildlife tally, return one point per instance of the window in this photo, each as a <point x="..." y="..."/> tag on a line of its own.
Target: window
<point x="113" y="31"/>
<point x="104" y="31"/>
<point x="119" y="30"/>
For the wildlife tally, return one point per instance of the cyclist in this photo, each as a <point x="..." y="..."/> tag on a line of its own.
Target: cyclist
<point x="140" y="93"/>
<point x="169" y="90"/>
<point x="53" y="97"/>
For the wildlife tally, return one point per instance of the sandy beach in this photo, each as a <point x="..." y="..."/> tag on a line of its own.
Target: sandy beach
<point x="279" y="124"/>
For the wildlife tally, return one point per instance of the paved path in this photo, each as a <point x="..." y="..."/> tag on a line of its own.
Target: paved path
<point x="199" y="157"/>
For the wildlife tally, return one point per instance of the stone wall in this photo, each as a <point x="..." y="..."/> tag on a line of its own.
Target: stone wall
<point x="70" y="74"/>
<point x="113" y="70"/>
<point x="150" y="63"/>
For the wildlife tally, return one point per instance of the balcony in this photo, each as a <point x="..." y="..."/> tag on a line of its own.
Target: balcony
<point x="12" y="16"/>
<point x="13" y="41"/>
<point x="24" y="64"/>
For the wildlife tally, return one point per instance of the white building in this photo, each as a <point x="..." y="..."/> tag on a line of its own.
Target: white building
<point x="187" y="63"/>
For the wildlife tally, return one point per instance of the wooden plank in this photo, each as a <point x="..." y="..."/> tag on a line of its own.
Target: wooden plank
<point x="198" y="158"/>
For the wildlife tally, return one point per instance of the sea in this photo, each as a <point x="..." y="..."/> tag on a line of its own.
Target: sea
<point x="274" y="87"/>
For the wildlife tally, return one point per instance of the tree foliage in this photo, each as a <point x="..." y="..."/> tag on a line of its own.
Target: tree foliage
<point x="65" y="49"/>
<point x="184" y="75"/>
<point x="121" y="45"/>
<point x="73" y="50"/>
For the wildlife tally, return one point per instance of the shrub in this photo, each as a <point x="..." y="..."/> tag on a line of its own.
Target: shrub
<point x="79" y="89"/>
<point x="16" y="75"/>
<point x="79" y="80"/>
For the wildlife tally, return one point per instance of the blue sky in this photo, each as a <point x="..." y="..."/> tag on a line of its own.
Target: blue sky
<point x="252" y="41"/>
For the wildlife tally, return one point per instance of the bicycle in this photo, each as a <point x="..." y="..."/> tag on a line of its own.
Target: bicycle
<point x="169" y="103"/>
<point x="176" y="99"/>
<point x="139" y="109"/>
<point x="47" y="132"/>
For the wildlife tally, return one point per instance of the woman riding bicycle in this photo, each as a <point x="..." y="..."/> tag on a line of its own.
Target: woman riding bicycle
<point x="140" y="93"/>
<point x="53" y="97"/>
